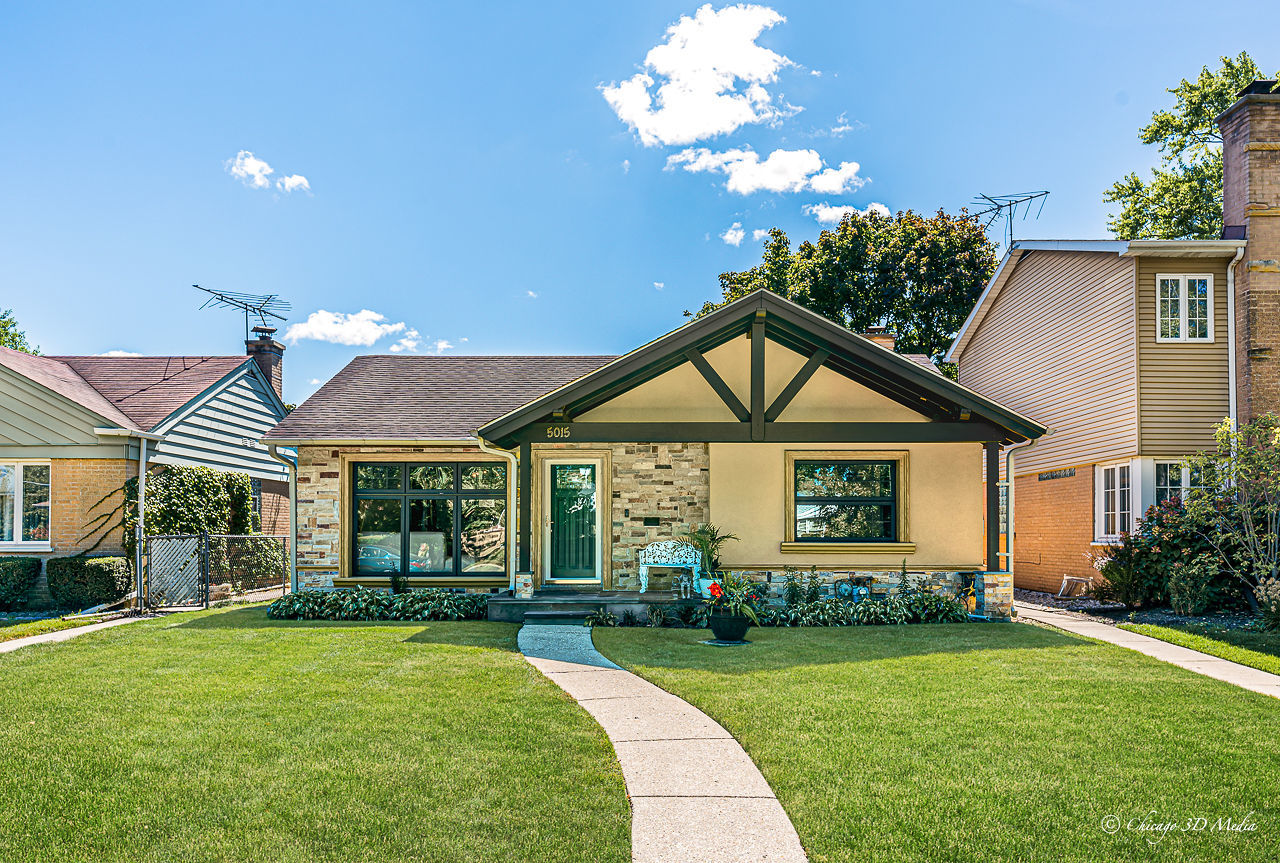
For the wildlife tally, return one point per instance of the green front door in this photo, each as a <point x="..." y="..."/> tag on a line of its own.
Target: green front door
<point x="573" y="522"/>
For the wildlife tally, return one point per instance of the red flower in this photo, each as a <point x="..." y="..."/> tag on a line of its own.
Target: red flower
<point x="715" y="590"/>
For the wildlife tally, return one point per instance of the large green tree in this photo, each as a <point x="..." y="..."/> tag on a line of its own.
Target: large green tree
<point x="1183" y="198"/>
<point x="917" y="275"/>
<point x="12" y="337"/>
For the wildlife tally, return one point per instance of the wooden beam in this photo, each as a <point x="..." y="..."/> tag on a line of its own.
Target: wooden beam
<point x="797" y="383"/>
<point x="757" y="376"/>
<point x="732" y="432"/>
<point x="992" y="449"/>
<point x="730" y="399"/>
<point x="525" y="505"/>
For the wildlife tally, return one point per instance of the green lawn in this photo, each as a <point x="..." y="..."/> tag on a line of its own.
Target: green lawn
<point x="222" y="735"/>
<point x="11" y="629"/>
<point x="994" y="742"/>
<point x="1256" y="649"/>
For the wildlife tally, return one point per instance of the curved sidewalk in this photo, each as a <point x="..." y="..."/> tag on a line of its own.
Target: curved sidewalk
<point x="1183" y="657"/>
<point x="63" y="634"/>
<point x="695" y="794"/>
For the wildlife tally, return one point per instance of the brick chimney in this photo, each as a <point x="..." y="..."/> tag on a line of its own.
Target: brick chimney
<point x="881" y="336"/>
<point x="1251" y="211"/>
<point x="269" y="355"/>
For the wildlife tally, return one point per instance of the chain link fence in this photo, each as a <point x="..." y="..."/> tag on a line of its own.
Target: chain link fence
<point x="199" y="569"/>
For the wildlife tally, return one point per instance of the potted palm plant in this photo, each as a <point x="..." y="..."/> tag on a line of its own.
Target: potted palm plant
<point x="731" y="610"/>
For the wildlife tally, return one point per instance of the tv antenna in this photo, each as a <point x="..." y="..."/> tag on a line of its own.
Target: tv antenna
<point x="996" y="206"/>
<point x="262" y="306"/>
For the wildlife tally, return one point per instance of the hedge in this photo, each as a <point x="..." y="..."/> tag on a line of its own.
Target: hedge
<point x="364" y="604"/>
<point x="17" y="576"/>
<point x="83" y="582"/>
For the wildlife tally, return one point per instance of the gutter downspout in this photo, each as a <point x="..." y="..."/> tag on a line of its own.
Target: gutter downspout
<point x="292" y="465"/>
<point x="1008" y="505"/>
<point x="512" y="468"/>
<point x="1231" y="335"/>
<point x="140" y="529"/>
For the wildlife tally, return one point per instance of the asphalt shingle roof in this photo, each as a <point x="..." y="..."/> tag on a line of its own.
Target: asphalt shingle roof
<point x="54" y="374"/>
<point x="426" y="398"/>
<point x="148" y="389"/>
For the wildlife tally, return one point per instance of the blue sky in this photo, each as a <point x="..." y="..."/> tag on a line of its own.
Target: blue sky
<point x="466" y="181"/>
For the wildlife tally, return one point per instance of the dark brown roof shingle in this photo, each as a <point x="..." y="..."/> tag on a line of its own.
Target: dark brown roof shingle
<point x="426" y="398"/>
<point x="148" y="389"/>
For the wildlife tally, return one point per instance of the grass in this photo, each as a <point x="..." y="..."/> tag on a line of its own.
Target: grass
<point x="23" y="628"/>
<point x="1259" y="650"/>
<point x="974" y="742"/>
<point x="222" y="735"/>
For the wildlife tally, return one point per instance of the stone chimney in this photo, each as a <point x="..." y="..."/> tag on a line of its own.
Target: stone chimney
<point x="881" y="336"/>
<point x="1251" y="211"/>
<point x="269" y="355"/>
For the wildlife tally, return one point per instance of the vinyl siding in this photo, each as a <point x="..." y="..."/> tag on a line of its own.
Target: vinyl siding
<point x="38" y="423"/>
<point x="1183" y="390"/>
<point x="1058" y="346"/>
<point x="223" y="428"/>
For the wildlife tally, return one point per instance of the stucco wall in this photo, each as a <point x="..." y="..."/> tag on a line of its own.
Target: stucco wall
<point x="943" y="498"/>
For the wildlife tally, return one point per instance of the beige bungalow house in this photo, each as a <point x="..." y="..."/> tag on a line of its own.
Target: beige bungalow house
<point x="816" y="446"/>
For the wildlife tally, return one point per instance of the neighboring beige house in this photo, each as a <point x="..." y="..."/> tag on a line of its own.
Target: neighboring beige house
<point x="817" y="447"/>
<point x="71" y="429"/>
<point x="1131" y="353"/>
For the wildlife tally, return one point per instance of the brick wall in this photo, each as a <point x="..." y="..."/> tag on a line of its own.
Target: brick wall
<point x="1053" y="529"/>
<point x="77" y="485"/>
<point x="275" y="507"/>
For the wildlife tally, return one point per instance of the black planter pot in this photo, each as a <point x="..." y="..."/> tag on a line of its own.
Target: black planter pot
<point x="729" y="627"/>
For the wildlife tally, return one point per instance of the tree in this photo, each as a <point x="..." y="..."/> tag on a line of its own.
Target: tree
<point x="917" y="276"/>
<point x="1183" y="199"/>
<point x="12" y="337"/>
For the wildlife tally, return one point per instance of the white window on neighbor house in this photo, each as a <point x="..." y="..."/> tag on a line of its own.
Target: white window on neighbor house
<point x="1174" y="480"/>
<point x="1184" y="307"/>
<point x="24" y="505"/>
<point x="1114" y="505"/>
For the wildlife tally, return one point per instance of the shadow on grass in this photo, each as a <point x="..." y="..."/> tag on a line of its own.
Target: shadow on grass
<point x="782" y="647"/>
<point x="471" y="633"/>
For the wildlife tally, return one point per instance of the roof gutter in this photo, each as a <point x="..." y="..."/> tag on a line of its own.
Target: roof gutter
<point x="291" y="464"/>
<point x="361" y="441"/>
<point x="512" y="473"/>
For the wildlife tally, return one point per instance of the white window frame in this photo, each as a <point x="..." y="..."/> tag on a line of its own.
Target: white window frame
<point x="1100" y="503"/>
<point x="1184" y="477"/>
<point x="1183" y="307"/>
<point x="19" y="544"/>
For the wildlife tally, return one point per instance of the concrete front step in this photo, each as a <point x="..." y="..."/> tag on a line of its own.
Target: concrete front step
<point x="556" y="617"/>
<point x="572" y="607"/>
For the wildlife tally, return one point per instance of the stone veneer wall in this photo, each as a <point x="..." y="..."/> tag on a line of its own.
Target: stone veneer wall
<point x="319" y="491"/>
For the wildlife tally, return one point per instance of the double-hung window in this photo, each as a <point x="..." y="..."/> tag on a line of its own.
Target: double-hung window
<point x="1184" y="307"/>
<point x="1115" y="508"/>
<point x="1174" y="480"/>
<point x="846" y="501"/>
<point x="427" y="519"/>
<point x="24" y="504"/>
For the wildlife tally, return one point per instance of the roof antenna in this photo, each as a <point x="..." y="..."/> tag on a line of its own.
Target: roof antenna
<point x="995" y="206"/>
<point x="261" y="305"/>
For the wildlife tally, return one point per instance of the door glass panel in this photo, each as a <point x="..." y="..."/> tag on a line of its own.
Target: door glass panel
<point x="573" y="521"/>
<point x="378" y="535"/>
<point x="431" y="477"/>
<point x="483" y="542"/>
<point x="35" y="503"/>
<point x="378" y="477"/>
<point x="430" y="535"/>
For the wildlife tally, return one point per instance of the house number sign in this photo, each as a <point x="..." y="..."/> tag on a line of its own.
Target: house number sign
<point x="560" y="432"/>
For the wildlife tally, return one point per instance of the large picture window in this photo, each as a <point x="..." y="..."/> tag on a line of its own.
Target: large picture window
<point x="447" y="519"/>
<point x="24" y="503"/>
<point x="1184" y="308"/>
<point x="846" y="501"/>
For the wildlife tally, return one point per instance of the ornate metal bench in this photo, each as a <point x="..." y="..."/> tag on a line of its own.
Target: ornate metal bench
<point x="672" y="554"/>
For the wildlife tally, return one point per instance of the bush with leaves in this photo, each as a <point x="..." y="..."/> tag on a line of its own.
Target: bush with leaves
<point x="1191" y="584"/>
<point x="916" y="608"/>
<point x="364" y="604"/>
<point x="601" y="617"/>
<point x="83" y="582"/>
<point x="1268" y="597"/>
<point x="17" y="576"/>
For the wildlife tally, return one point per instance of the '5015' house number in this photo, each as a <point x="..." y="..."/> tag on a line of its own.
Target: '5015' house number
<point x="560" y="432"/>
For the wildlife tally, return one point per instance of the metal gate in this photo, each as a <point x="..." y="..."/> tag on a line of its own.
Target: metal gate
<point x="196" y="569"/>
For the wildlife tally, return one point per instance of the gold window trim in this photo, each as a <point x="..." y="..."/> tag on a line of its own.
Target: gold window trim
<point x="900" y="457"/>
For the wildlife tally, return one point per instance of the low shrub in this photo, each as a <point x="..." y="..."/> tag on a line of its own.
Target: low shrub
<point x="1191" y="584"/>
<point x="364" y="604"/>
<point x="601" y="617"/>
<point x="909" y="608"/>
<point x="83" y="582"/>
<point x="17" y="576"/>
<point x="1268" y="594"/>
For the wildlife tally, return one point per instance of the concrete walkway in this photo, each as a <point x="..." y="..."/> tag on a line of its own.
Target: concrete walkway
<point x="1183" y="657"/>
<point x="695" y="795"/>
<point x="63" y="634"/>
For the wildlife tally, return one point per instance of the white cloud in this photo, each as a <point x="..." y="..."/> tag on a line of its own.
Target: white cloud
<point x="118" y="353"/>
<point x="733" y="234"/>
<point x="759" y="234"/>
<point x="837" y="181"/>
<point x="442" y="346"/>
<point x="293" y="183"/>
<point x="626" y="166"/>
<point x="830" y="214"/>
<point x="782" y="171"/>
<point x="841" y="128"/>
<point x="713" y="75"/>
<point x="315" y="382"/>
<point x="533" y="295"/>
<point x="250" y="170"/>
<point x="407" y="343"/>
<point x="657" y="286"/>
<point x="359" y="328"/>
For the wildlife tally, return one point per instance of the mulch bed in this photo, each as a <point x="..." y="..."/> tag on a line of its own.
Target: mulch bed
<point x="1091" y="609"/>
